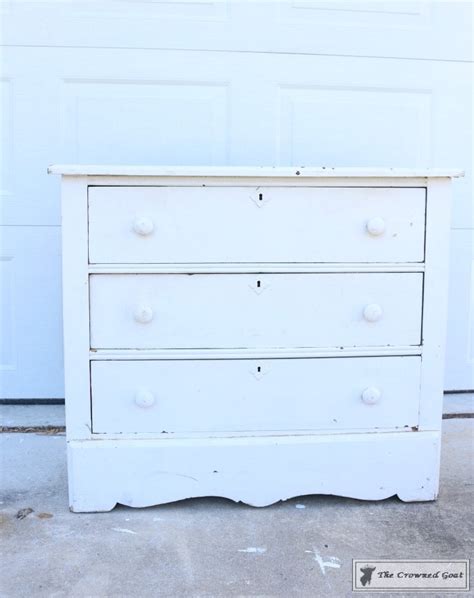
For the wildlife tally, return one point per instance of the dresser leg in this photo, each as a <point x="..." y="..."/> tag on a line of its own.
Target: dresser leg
<point x="420" y="494"/>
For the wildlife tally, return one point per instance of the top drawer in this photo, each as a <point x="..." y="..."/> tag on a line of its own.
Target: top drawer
<point x="166" y="225"/>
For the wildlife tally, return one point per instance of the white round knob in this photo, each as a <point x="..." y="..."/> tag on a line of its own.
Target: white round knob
<point x="143" y="226"/>
<point x="372" y="312"/>
<point x="144" y="398"/>
<point x="376" y="226"/>
<point x="371" y="395"/>
<point x="143" y="314"/>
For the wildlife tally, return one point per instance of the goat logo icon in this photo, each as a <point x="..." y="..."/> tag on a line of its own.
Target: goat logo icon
<point x="366" y="575"/>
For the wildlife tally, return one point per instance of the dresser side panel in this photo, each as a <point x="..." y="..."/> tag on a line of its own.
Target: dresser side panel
<point x="435" y="302"/>
<point x="76" y="307"/>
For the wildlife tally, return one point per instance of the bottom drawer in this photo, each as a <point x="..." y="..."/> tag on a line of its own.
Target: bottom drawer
<point x="181" y="396"/>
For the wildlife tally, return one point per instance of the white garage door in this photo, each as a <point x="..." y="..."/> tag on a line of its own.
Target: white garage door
<point x="200" y="82"/>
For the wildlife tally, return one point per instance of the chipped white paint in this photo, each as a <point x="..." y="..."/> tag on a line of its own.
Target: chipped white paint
<point x="253" y="550"/>
<point x="332" y="563"/>
<point x="298" y="506"/>
<point x="308" y="340"/>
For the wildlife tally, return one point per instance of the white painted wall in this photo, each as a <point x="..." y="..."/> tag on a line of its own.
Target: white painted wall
<point x="286" y="83"/>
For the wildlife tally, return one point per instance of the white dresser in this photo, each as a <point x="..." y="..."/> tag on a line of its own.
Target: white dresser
<point x="253" y="333"/>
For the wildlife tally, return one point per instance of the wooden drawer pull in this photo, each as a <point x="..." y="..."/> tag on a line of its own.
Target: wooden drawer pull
<point x="373" y="312"/>
<point x="376" y="226"/>
<point x="143" y="226"/>
<point x="143" y="314"/>
<point x="144" y="398"/>
<point x="371" y="395"/>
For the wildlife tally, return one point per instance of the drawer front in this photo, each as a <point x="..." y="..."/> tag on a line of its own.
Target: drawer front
<point x="259" y="225"/>
<point x="247" y="395"/>
<point x="151" y="311"/>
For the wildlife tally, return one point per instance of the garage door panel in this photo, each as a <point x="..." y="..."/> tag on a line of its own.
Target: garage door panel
<point x="31" y="359"/>
<point x="460" y="337"/>
<point x="138" y="122"/>
<point x="337" y="126"/>
<point x="404" y="29"/>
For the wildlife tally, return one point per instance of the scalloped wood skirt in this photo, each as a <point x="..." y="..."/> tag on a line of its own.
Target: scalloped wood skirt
<point x="258" y="471"/>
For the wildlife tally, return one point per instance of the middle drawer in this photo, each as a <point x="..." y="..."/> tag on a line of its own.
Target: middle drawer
<point x="198" y="311"/>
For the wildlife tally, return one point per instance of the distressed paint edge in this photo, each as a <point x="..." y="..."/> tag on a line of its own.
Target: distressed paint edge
<point x="247" y="171"/>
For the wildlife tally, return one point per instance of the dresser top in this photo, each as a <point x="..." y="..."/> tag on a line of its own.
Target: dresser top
<point x="249" y="171"/>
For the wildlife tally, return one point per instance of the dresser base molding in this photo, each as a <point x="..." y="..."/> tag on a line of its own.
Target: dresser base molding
<point x="258" y="471"/>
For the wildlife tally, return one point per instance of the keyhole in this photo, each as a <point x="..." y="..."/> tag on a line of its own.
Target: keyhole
<point x="259" y="369"/>
<point x="259" y="284"/>
<point x="260" y="197"/>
